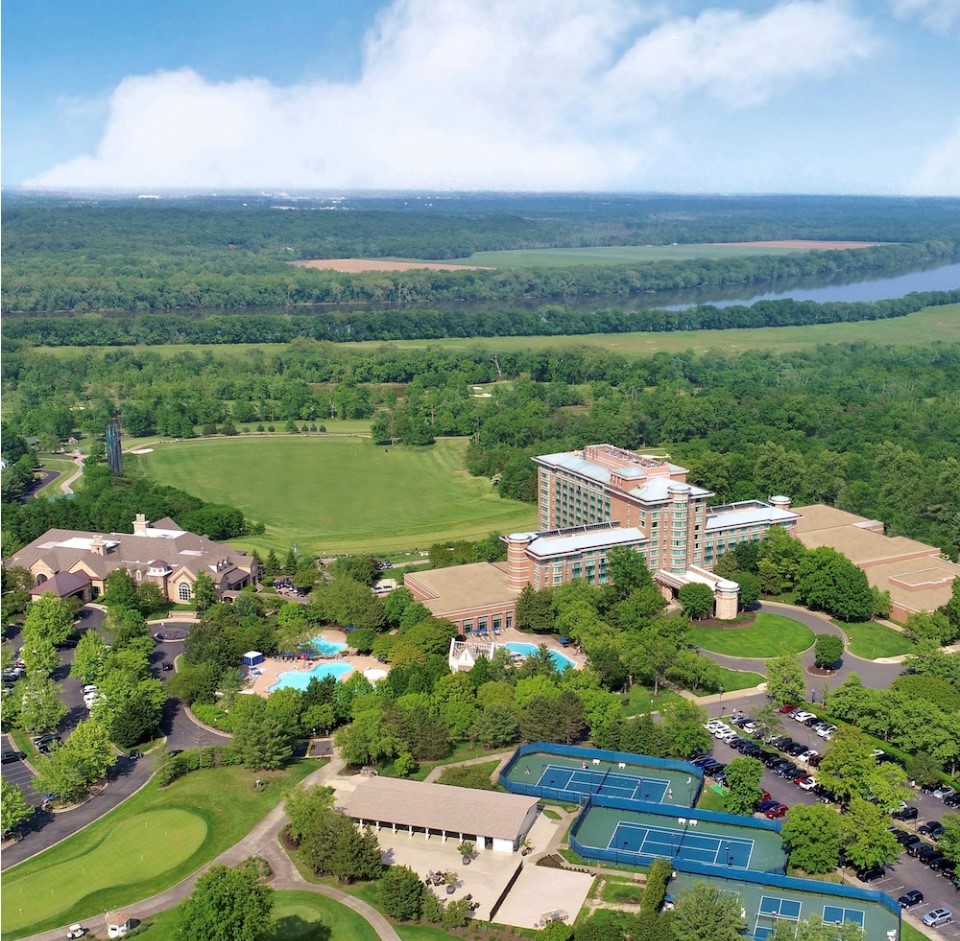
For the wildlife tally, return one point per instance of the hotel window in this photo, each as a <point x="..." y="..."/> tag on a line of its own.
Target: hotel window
<point x="183" y="592"/>
<point x="557" y="579"/>
<point x="467" y="625"/>
<point x="509" y="621"/>
<point x="497" y="621"/>
<point x="481" y="624"/>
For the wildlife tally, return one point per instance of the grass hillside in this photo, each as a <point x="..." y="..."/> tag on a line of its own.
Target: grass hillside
<point x="333" y="495"/>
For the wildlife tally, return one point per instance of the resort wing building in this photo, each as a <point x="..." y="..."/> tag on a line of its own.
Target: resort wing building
<point x="589" y="502"/>
<point x="70" y="563"/>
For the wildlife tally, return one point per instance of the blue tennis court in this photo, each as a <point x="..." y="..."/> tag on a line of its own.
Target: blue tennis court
<point x="683" y="843"/>
<point x="772" y="909"/>
<point x="837" y="915"/>
<point x="581" y="782"/>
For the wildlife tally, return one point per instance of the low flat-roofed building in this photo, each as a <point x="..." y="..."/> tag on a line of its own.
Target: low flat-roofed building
<point x="488" y="819"/>
<point x="916" y="575"/>
<point x="476" y="597"/>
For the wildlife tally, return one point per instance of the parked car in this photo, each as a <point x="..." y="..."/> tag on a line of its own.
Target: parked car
<point x="944" y="791"/>
<point x="826" y="731"/>
<point x="803" y="716"/>
<point x="8" y="757"/>
<point x="806" y="784"/>
<point x="750" y="727"/>
<point x="911" y="898"/>
<point x="764" y="805"/>
<point x="939" y="863"/>
<point x="75" y="931"/>
<point x="811" y="721"/>
<point x="774" y="812"/>
<point x="938" y="917"/>
<point x="166" y="665"/>
<point x="787" y="708"/>
<point x="906" y="813"/>
<point x="796" y="749"/>
<point x="45" y="747"/>
<point x="44" y="739"/>
<point x="953" y="800"/>
<point x="871" y="873"/>
<point x="927" y="854"/>
<point x="930" y="827"/>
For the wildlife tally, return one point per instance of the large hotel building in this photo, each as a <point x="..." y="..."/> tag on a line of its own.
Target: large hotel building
<point x="590" y="501"/>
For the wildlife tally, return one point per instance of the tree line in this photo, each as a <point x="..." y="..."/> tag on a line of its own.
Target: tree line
<point x="414" y="323"/>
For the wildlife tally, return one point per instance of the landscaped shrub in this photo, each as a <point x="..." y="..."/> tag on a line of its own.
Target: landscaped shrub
<point x="214" y="716"/>
<point x="656" y="890"/>
<point x="475" y="776"/>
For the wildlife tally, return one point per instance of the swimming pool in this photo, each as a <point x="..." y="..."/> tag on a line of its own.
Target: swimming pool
<point x="326" y="647"/>
<point x="562" y="662"/>
<point x="299" y="679"/>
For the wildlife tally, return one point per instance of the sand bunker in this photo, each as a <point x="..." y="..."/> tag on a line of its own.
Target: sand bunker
<point x="142" y="451"/>
<point x="359" y="265"/>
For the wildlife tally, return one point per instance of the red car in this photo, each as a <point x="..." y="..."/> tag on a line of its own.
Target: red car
<point x="789" y="707"/>
<point x="764" y="795"/>
<point x="778" y="811"/>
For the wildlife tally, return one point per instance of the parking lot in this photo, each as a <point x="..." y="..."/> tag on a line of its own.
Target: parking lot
<point x="907" y="873"/>
<point x="18" y="772"/>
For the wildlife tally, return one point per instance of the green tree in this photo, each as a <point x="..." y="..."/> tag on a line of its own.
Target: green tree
<point x="847" y="765"/>
<point x="456" y="914"/>
<point x="865" y="832"/>
<point x="683" y="728"/>
<point x="226" y="905"/>
<point x="496" y="726"/>
<point x="829" y="581"/>
<point x="785" y="682"/>
<point x="705" y="913"/>
<point x="41" y="708"/>
<point x="119" y="590"/>
<point x="628" y="571"/>
<point x="204" y="592"/>
<point x="150" y="599"/>
<point x="49" y="619"/>
<point x="696" y="599"/>
<point x="90" y="658"/>
<point x="743" y="783"/>
<point x="129" y="710"/>
<point x="368" y="739"/>
<point x="950" y="838"/>
<point x="811" y="835"/>
<point x="749" y="588"/>
<point x="39" y="655"/>
<point x="534" y="611"/>
<point x="828" y="650"/>
<point x="259" y="738"/>
<point x="402" y="893"/>
<point x="13" y="805"/>
<point x="814" y="929"/>
<point x="89" y="748"/>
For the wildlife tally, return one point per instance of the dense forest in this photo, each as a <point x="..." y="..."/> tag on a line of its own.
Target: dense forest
<point x="196" y="254"/>
<point x="874" y="430"/>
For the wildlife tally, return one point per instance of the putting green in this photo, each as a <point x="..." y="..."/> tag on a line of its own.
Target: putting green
<point x="140" y="848"/>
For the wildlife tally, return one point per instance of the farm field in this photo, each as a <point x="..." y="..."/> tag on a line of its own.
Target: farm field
<point x="638" y="254"/>
<point x="338" y="495"/>
<point x="149" y="843"/>
<point x="932" y="324"/>
<point x="297" y="916"/>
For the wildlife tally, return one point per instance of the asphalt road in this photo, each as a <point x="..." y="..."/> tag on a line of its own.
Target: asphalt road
<point x="44" y="828"/>
<point x="907" y="873"/>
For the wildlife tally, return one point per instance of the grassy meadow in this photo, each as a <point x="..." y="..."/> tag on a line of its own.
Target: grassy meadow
<point x="336" y="495"/>
<point x="770" y="635"/>
<point x="619" y="255"/>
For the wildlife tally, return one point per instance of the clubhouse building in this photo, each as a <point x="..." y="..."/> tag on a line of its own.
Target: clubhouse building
<point x="70" y="563"/>
<point x="589" y="502"/>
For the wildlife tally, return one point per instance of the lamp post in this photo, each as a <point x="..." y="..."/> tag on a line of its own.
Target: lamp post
<point x="721" y="700"/>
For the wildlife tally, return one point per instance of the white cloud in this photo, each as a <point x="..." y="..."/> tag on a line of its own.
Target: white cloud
<point x="542" y="94"/>
<point x="939" y="175"/>
<point x="939" y="15"/>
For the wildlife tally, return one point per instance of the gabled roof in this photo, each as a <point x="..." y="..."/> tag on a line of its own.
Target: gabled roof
<point x="62" y="584"/>
<point x="437" y="807"/>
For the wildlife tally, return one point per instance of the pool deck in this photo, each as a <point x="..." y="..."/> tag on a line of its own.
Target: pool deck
<point x="272" y="667"/>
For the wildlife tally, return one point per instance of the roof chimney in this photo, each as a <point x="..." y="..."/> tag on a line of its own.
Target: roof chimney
<point x="140" y="525"/>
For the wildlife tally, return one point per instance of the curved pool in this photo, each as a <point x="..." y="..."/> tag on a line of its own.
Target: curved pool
<point x="298" y="679"/>
<point x="326" y="647"/>
<point x="562" y="662"/>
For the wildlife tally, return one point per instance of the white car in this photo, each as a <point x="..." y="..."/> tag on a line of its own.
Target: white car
<point x="803" y="716"/>
<point x="728" y="737"/>
<point x="827" y="732"/>
<point x="807" y="784"/>
<point x="807" y="755"/>
<point x="89" y="689"/>
<point x="713" y="725"/>
<point x="750" y="728"/>
<point x="945" y="791"/>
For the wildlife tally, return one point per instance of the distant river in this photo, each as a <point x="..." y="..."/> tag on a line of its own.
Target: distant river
<point x="945" y="278"/>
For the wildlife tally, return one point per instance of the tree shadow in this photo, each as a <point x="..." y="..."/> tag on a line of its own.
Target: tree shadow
<point x="294" y="928"/>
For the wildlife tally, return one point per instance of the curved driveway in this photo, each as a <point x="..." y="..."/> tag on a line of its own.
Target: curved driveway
<point x="127" y="776"/>
<point x="873" y="673"/>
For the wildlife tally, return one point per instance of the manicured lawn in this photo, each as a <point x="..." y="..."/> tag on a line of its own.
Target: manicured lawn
<point x="771" y="635"/>
<point x="909" y="933"/>
<point x="297" y="916"/>
<point x="711" y="800"/>
<point x="146" y="845"/>
<point x="640" y="700"/>
<point x="622" y="893"/>
<point x="339" y="494"/>
<point x="732" y="680"/>
<point x="873" y="641"/>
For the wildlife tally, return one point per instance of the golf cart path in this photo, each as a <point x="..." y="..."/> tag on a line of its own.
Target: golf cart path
<point x="261" y="841"/>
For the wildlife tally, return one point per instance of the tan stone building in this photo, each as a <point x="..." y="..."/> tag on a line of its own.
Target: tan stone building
<point x="70" y="563"/>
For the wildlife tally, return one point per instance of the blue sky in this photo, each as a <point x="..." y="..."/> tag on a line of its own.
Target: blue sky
<point x="804" y="96"/>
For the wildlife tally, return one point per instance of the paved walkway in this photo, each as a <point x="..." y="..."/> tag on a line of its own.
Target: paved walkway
<point x="65" y="485"/>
